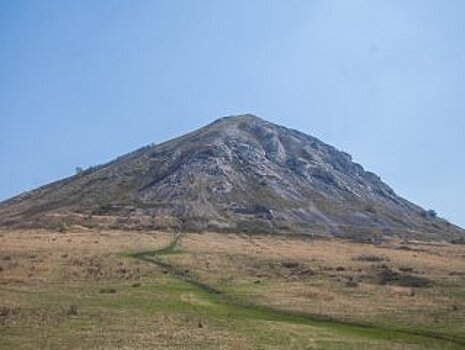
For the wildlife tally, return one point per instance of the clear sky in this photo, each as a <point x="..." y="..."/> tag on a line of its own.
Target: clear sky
<point x="82" y="82"/>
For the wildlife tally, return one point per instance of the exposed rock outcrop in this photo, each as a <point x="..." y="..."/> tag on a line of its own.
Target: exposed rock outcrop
<point x="239" y="173"/>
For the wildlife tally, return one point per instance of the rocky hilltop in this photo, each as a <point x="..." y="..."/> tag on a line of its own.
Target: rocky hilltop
<point x="238" y="173"/>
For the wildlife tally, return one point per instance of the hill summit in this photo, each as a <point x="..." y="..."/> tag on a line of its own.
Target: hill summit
<point x="240" y="174"/>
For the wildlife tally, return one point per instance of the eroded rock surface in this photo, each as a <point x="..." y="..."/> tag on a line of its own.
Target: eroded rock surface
<point x="239" y="173"/>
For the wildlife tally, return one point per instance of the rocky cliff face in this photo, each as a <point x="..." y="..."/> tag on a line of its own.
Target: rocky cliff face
<point x="237" y="174"/>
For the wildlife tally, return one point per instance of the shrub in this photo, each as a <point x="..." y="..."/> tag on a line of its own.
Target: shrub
<point x="351" y="284"/>
<point x="429" y="214"/>
<point x="370" y="207"/>
<point x="370" y="258"/>
<point x="7" y="313"/>
<point x="388" y="276"/>
<point x="72" y="310"/>
<point x="460" y="240"/>
<point x="408" y="280"/>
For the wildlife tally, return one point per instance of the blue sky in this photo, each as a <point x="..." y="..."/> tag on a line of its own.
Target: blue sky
<point x="82" y="82"/>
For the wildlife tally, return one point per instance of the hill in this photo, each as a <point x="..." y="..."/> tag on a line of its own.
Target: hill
<point x="237" y="174"/>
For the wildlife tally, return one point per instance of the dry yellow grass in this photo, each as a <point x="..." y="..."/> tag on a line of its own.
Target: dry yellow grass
<point x="40" y="256"/>
<point x="339" y="283"/>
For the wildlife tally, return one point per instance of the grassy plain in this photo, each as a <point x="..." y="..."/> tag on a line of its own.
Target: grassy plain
<point x="137" y="290"/>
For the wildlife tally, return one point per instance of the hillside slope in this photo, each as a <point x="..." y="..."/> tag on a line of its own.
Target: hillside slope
<point x="239" y="173"/>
